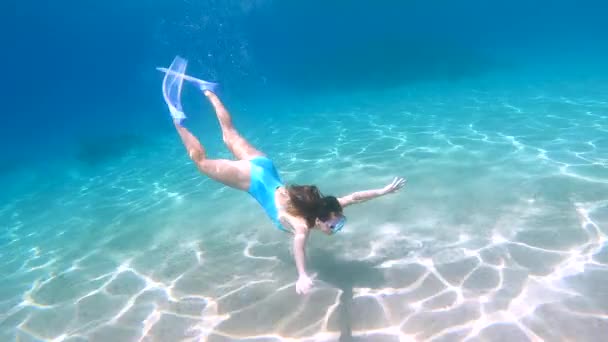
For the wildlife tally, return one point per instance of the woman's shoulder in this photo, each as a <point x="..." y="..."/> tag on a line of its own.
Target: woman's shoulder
<point x="289" y="221"/>
<point x="292" y="223"/>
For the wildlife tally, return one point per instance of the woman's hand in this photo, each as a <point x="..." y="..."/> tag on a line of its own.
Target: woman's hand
<point x="303" y="284"/>
<point x="395" y="185"/>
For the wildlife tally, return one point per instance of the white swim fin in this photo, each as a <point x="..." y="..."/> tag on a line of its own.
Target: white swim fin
<point x="172" y="88"/>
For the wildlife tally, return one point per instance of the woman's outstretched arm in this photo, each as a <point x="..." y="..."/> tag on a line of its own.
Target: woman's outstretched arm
<point x="304" y="282"/>
<point x="362" y="196"/>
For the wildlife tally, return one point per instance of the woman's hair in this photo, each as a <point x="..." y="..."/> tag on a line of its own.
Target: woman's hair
<point x="308" y="202"/>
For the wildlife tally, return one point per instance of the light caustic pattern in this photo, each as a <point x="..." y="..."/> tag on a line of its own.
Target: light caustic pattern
<point x="500" y="234"/>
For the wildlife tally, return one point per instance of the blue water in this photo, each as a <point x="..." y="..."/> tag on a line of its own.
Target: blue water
<point x="497" y="115"/>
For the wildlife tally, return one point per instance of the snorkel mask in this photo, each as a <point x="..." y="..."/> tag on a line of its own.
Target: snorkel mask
<point x="336" y="224"/>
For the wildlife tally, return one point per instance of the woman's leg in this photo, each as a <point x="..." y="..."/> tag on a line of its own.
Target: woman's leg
<point x="236" y="143"/>
<point x="233" y="173"/>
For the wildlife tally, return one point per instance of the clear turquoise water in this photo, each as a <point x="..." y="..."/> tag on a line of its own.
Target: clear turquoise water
<point x="500" y="233"/>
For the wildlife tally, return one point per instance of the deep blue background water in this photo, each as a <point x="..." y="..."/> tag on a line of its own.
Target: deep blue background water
<point x="82" y="73"/>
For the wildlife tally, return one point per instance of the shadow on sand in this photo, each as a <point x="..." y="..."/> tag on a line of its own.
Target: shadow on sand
<point x="346" y="275"/>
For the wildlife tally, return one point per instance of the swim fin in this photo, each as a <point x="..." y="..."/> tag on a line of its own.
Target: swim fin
<point x="172" y="88"/>
<point x="203" y="85"/>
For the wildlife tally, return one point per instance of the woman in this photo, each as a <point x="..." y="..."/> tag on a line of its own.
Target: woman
<point x="293" y="208"/>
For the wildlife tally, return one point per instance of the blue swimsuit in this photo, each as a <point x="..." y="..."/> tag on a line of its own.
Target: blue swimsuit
<point x="264" y="181"/>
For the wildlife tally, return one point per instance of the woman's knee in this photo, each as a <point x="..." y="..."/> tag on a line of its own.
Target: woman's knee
<point x="197" y="155"/>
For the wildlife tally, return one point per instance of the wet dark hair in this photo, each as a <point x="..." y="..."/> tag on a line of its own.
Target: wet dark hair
<point x="308" y="202"/>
